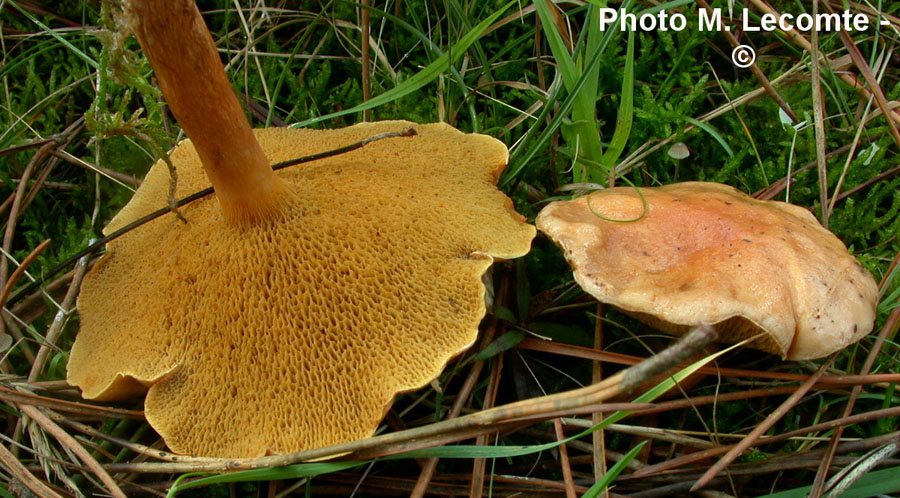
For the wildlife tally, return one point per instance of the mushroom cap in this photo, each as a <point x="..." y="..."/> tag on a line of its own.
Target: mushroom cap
<point x="297" y="332"/>
<point x="706" y="252"/>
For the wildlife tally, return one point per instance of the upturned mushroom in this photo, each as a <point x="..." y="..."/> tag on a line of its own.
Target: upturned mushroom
<point x="289" y="310"/>
<point x="681" y="254"/>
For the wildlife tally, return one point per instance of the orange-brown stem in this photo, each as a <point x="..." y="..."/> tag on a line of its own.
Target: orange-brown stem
<point x="184" y="58"/>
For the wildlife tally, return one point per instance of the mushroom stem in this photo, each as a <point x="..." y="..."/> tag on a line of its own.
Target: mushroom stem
<point x="184" y="58"/>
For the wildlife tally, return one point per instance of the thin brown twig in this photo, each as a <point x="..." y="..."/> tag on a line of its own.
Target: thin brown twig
<point x="818" y="100"/>
<point x="15" y="467"/>
<point x="68" y="137"/>
<point x="704" y="454"/>
<point x="36" y="185"/>
<point x="15" y="210"/>
<point x="678" y="404"/>
<point x="20" y="398"/>
<point x="757" y="72"/>
<point x="468" y="426"/>
<point x="490" y="400"/>
<point x="53" y="385"/>
<point x="868" y="183"/>
<point x="587" y="410"/>
<point x="676" y="489"/>
<point x="799" y="39"/>
<point x="462" y="398"/>
<point x="68" y="441"/>
<point x="366" y="57"/>
<point x="61" y="140"/>
<point x="4" y="295"/>
<point x="127" y="180"/>
<point x="20" y="270"/>
<point x="536" y="482"/>
<point x="124" y="443"/>
<point x="624" y="359"/>
<point x="859" y="468"/>
<point x="846" y="169"/>
<point x="648" y="432"/>
<point x="34" y="305"/>
<point x="860" y="62"/>
<point x="564" y="459"/>
<point x="598" y="438"/>
<point x="778" y="186"/>
<point x="889" y="329"/>
<point x="760" y="429"/>
<point x="258" y="111"/>
<point x="34" y="144"/>
<point x="59" y="321"/>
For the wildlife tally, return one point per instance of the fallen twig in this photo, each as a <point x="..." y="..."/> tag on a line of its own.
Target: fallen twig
<point x="505" y="416"/>
<point x="760" y="429"/>
<point x="69" y="442"/>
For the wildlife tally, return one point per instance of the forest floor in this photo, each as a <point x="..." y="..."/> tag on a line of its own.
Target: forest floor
<point x="579" y="108"/>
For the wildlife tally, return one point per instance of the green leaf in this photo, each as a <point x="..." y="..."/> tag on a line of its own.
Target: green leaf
<point x="583" y="133"/>
<point x="459" y="451"/>
<point x="505" y="314"/>
<point x="625" y="116"/>
<point x="612" y="473"/>
<point x="879" y="482"/>
<point x="567" y="68"/>
<point x="505" y="342"/>
<point x="712" y="132"/>
<point x="297" y="471"/>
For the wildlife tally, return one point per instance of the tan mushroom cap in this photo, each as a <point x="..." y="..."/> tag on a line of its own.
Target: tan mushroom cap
<point x="708" y="252"/>
<point x="296" y="333"/>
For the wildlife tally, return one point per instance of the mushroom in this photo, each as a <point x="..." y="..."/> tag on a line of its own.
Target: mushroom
<point x="287" y="314"/>
<point x="681" y="254"/>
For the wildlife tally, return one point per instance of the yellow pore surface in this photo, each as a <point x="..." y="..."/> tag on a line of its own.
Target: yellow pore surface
<point x="297" y="333"/>
<point x="706" y="252"/>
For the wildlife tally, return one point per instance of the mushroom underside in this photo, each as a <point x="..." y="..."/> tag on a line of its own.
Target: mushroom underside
<point x="736" y="328"/>
<point x="298" y="332"/>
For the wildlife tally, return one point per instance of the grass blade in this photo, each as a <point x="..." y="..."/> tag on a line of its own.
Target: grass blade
<point x="880" y="482"/>
<point x="85" y="57"/>
<point x="625" y="116"/>
<point x="288" y="472"/>
<point x="708" y="128"/>
<point x="457" y="451"/>
<point x="423" y="77"/>
<point x="570" y="73"/>
<point x="612" y="473"/>
<point x="583" y="133"/>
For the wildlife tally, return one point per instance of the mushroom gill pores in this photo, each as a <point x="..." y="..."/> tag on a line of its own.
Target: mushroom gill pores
<point x="706" y="252"/>
<point x="297" y="332"/>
